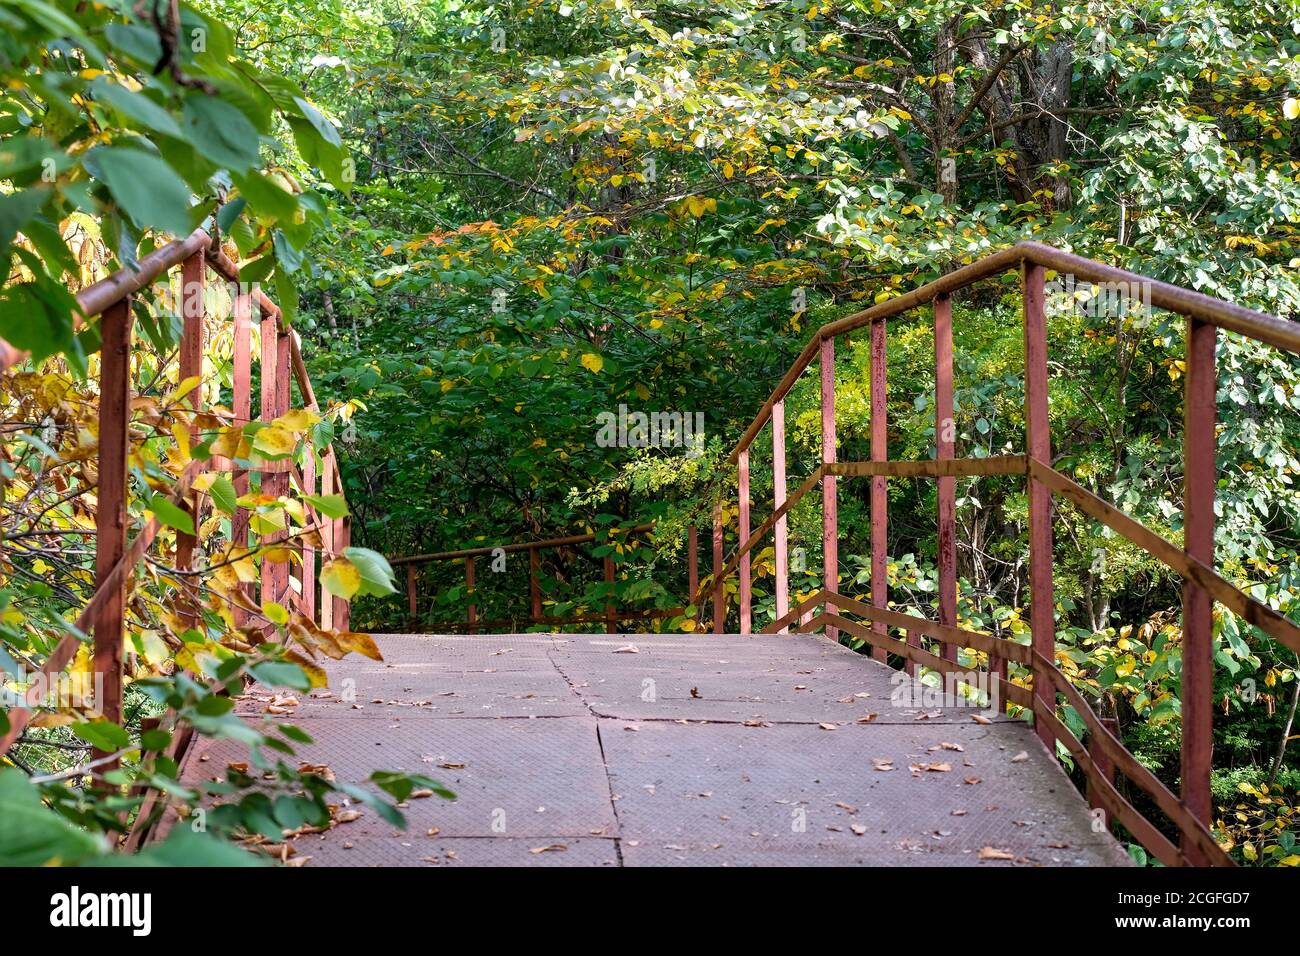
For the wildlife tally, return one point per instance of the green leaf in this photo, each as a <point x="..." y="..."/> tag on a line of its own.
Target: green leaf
<point x="377" y="576"/>
<point x="144" y="186"/>
<point x="223" y="495"/>
<point x="220" y="132"/>
<point x="135" y="106"/>
<point x="171" y="515"/>
<point x="103" y="734"/>
<point x="281" y="674"/>
<point x="186" y="847"/>
<point x="33" y="835"/>
<point x="331" y="506"/>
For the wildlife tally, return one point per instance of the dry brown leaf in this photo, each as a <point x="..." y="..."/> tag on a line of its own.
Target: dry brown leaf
<point x="550" y="847"/>
<point x="993" y="853"/>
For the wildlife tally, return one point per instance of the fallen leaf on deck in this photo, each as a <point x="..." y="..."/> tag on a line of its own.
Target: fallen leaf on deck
<point x="993" y="853"/>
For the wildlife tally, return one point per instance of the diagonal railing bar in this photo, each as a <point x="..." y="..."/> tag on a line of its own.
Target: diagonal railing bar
<point x="1173" y="557"/>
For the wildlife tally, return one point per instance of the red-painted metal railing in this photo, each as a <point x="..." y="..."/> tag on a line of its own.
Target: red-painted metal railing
<point x="1104" y="755"/>
<point x="116" y="556"/>
<point x="1194" y="561"/>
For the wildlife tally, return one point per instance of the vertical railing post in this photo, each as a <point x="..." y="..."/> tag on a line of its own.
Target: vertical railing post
<point x="283" y="393"/>
<point x="719" y="592"/>
<point x="830" y="505"/>
<point x="472" y="606"/>
<point x="1199" y="450"/>
<point x="693" y="562"/>
<point x="193" y="308"/>
<point x="471" y="611"/>
<point x="411" y="607"/>
<point x="611" y="625"/>
<point x="945" y="427"/>
<point x="110" y="515"/>
<point x="780" y="541"/>
<point x="1101" y="762"/>
<point x="746" y="582"/>
<point x="329" y="535"/>
<point x="242" y="407"/>
<point x="534" y="585"/>
<point x="1039" y="443"/>
<point x="308" y="572"/>
<point x="270" y="368"/>
<point x="879" y="483"/>
<point x="341" y="612"/>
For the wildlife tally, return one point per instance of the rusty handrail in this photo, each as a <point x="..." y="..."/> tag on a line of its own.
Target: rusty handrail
<point x="282" y="362"/>
<point x="1194" y="562"/>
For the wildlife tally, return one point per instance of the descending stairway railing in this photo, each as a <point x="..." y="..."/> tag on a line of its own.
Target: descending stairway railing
<point x="1101" y="755"/>
<point x="117" y="554"/>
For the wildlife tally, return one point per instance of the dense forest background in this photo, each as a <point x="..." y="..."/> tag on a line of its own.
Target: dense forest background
<point x="515" y="217"/>
<point x="564" y="207"/>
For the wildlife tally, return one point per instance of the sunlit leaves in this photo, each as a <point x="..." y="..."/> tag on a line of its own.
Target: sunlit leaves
<point x="341" y="578"/>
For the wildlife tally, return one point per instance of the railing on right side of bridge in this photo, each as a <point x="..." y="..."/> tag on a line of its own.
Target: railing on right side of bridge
<point x="1102" y="755"/>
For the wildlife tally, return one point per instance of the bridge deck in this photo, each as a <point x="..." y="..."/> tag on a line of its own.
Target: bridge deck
<point x="696" y="749"/>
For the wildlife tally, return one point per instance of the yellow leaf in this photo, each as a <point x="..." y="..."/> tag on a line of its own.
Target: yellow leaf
<point x="275" y="612"/>
<point x="1291" y="108"/>
<point x="341" y="578"/>
<point x="298" y="420"/>
<point x="182" y="435"/>
<point x="592" y="362"/>
<point x="274" y="441"/>
<point x="228" y="443"/>
<point x="362" y="644"/>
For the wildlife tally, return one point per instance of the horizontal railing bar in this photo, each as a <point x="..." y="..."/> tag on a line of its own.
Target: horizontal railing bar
<point x="794" y="614"/>
<point x="943" y="633"/>
<point x="98" y="296"/>
<point x="990" y="265"/>
<point x="1013" y="692"/>
<point x="1253" y="612"/>
<point x="932" y="468"/>
<point x="1251" y="323"/>
<point x="515" y="546"/>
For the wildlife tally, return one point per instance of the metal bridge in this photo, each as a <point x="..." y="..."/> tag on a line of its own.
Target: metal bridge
<point x="727" y="747"/>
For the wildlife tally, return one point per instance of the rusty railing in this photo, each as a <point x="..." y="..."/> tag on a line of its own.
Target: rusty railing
<point x="116" y="557"/>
